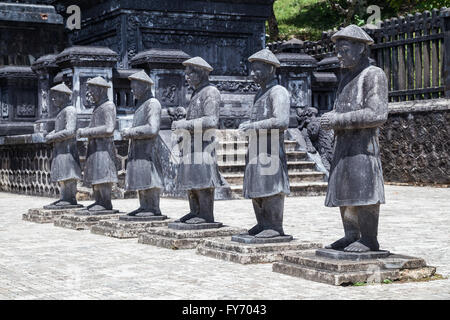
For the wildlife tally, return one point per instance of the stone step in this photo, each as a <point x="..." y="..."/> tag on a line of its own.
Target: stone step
<point x="294" y="177"/>
<point x="293" y="166"/>
<point x="289" y="145"/>
<point x="297" y="189"/>
<point x="334" y="278"/>
<point x="239" y="156"/>
<point x="311" y="260"/>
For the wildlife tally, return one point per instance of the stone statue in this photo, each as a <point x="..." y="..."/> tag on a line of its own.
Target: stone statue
<point x="100" y="169"/>
<point x="198" y="172"/>
<point x="65" y="168"/>
<point x="317" y="138"/>
<point x="143" y="174"/>
<point x="266" y="179"/>
<point x="356" y="179"/>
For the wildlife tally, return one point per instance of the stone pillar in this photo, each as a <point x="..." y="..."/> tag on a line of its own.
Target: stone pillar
<point x="165" y="67"/>
<point x="46" y="69"/>
<point x="295" y="74"/>
<point x="78" y="65"/>
<point x="18" y="100"/>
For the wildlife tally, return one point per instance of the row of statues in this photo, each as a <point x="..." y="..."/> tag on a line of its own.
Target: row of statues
<point x="355" y="184"/>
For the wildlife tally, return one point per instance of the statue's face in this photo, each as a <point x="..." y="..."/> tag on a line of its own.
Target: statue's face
<point x="139" y="88"/>
<point x="97" y="93"/>
<point x="349" y="53"/>
<point x="261" y="72"/>
<point x="194" y="76"/>
<point x="59" y="99"/>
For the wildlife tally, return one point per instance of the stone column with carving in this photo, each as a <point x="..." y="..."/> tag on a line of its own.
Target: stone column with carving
<point x="165" y="68"/>
<point x="295" y="74"/>
<point x="46" y="69"/>
<point x="18" y="100"/>
<point x="79" y="64"/>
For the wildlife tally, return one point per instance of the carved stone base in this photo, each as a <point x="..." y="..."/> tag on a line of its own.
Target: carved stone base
<point x="142" y="219"/>
<point x="95" y="212"/>
<point x="338" y="271"/>
<point x="194" y="226"/>
<point x="183" y="239"/>
<point x="82" y="222"/>
<point x="229" y="250"/>
<point x="40" y="215"/>
<point x="245" y="238"/>
<point x="125" y="229"/>
<point x="69" y="206"/>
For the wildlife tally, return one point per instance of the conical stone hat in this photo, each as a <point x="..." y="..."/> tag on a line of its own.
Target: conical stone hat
<point x="198" y="62"/>
<point x="99" y="81"/>
<point x="141" y="76"/>
<point x="265" y="55"/>
<point x="353" y="33"/>
<point x="61" y="88"/>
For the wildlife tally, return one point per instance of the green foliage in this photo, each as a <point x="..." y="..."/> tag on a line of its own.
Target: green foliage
<point x="307" y="19"/>
<point x="359" y="284"/>
<point x="387" y="281"/>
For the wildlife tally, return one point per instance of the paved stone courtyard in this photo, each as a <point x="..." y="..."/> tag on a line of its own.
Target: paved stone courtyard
<point x="46" y="262"/>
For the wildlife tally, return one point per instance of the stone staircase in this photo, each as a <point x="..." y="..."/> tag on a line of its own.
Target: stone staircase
<point x="304" y="179"/>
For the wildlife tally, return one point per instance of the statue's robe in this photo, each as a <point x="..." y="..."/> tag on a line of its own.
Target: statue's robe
<point x="266" y="171"/>
<point x="143" y="169"/>
<point x="65" y="161"/>
<point x="361" y="107"/>
<point x="100" y="164"/>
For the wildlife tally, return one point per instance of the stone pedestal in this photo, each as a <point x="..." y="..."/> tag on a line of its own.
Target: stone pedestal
<point x="247" y="253"/>
<point x="40" y="215"/>
<point x="128" y="227"/>
<point x="342" y="268"/>
<point x="79" y="221"/>
<point x="184" y="239"/>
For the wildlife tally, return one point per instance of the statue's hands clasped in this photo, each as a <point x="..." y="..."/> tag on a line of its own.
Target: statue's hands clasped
<point x="81" y="133"/>
<point x="327" y="120"/>
<point x="179" y="124"/>
<point x="245" y="126"/>
<point x="125" y="133"/>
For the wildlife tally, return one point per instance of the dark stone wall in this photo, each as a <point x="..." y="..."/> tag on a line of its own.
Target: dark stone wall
<point x="225" y="33"/>
<point x="415" y="143"/>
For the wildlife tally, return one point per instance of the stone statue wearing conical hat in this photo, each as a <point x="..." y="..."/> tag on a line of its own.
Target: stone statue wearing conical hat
<point x="65" y="166"/>
<point x="266" y="179"/>
<point x="198" y="172"/>
<point x="356" y="179"/>
<point x="100" y="169"/>
<point x="143" y="168"/>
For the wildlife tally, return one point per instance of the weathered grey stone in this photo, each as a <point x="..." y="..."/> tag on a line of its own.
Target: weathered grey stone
<point x="142" y="219"/>
<point x="183" y="239"/>
<point x="248" y="239"/>
<point x="342" y="255"/>
<point x="40" y="215"/>
<point x="338" y="271"/>
<point x="194" y="226"/>
<point x="228" y="250"/>
<point x="125" y="229"/>
<point x="333" y="278"/>
<point x="95" y="213"/>
<point x="81" y="222"/>
<point x="69" y="206"/>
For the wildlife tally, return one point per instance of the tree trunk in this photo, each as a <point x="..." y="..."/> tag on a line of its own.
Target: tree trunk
<point x="273" y="26"/>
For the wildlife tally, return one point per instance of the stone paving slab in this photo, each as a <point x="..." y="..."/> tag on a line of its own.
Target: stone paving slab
<point x="39" y="261"/>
